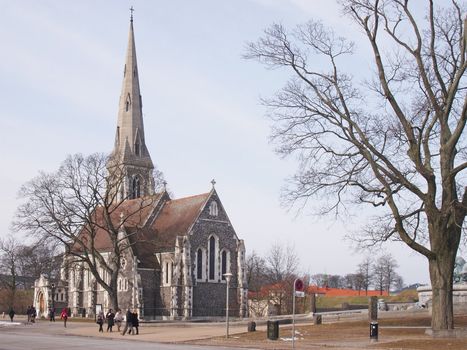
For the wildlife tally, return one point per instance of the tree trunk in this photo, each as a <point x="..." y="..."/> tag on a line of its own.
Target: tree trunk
<point x="441" y="274"/>
<point x="113" y="299"/>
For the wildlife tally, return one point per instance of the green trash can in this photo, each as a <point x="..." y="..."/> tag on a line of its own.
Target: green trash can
<point x="273" y="330"/>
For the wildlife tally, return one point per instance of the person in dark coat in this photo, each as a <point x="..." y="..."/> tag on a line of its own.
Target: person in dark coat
<point x="128" y="319"/>
<point x="135" y="321"/>
<point x="52" y="314"/>
<point x="33" y="314"/>
<point x="100" y="320"/>
<point x="110" y="320"/>
<point x="11" y="314"/>
<point x="28" y="312"/>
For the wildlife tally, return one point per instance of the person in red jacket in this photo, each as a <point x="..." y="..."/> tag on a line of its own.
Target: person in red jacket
<point x="64" y="316"/>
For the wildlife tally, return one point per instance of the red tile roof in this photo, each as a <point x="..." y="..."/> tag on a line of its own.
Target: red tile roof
<point x="176" y="218"/>
<point x="147" y="235"/>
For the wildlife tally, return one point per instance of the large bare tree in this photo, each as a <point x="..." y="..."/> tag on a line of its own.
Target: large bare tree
<point x="394" y="142"/>
<point x="79" y="206"/>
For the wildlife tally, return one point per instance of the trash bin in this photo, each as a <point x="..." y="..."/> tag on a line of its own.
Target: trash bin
<point x="374" y="331"/>
<point x="251" y="326"/>
<point x="273" y="330"/>
<point x="317" y="319"/>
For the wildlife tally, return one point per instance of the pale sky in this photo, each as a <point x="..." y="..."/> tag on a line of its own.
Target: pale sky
<point x="61" y="71"/>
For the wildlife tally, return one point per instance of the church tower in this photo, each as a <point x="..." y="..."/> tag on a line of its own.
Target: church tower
<point x="131" y="167"/>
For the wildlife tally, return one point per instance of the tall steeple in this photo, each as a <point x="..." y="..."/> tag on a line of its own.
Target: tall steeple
<point x="130" y="152"/>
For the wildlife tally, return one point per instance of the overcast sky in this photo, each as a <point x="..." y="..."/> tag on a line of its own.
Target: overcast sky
<point x="61" y="70"/>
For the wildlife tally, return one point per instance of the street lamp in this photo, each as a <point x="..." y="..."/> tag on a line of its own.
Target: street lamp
<point x="53" y="295"/>
<point x="227" y="276"/>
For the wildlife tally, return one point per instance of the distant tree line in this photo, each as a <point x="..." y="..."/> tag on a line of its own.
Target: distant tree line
<point x="20" y="264"/>
<point x="280" y="267"/>
<point x="379" y="274"/>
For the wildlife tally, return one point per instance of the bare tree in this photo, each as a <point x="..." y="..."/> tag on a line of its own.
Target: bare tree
<point x="281" y="270"/>
<point x="40" y="258"/>
<point x="255" y="271"/>
<point x="79" y="206"/>
<point x="9" y="266"/>
<point x="385" y="275"/>
<point x="281" y="263"/>
<point x="319" y="279"/>
<point x="396" y="143"/>
<point x="365" y="271"/>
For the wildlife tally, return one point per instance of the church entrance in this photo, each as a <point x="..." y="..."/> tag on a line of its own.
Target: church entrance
<point x="41" y="303"/>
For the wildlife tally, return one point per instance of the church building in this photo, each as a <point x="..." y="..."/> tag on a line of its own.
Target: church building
<point x="194" y="255"/>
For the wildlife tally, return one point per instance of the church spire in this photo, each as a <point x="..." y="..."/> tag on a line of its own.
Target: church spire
<point x="130" y="150"/>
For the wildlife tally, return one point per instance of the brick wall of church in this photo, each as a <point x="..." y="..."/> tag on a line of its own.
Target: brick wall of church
<point x="209" y="297"/>
<point x="149" y="285"/>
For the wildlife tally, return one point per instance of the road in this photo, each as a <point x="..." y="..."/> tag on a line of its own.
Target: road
<point x="21" y="337"/>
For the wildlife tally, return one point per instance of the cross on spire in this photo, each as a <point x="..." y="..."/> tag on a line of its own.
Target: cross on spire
<point x="213" y="182"/>
<point x="131" y="13"/>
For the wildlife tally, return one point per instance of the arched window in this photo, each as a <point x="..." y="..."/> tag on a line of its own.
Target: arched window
<point x="223" y="264"/>
<point x="212" y="258"/>
<point x="199" y="264"/>
<point x="167" y="273"/>
<point x="137" y="148"/>
<point x="213" y="210"/>
<point x="127" y="103"/>
<point x="135" y="188"/>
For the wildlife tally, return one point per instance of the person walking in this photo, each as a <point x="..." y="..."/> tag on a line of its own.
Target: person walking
<point x="11" y="314"/>
<point x="28" y="312"/>
<point x="52" y="314"/>
<point x="118" y="319"/>
<point x="100" y="320"/>
<point x="64" y="316"/>
<point x="135" y="322"/>
<point x="128" y="318"/>
<point x="110" y="320"/>
<point x="33" y="314"/>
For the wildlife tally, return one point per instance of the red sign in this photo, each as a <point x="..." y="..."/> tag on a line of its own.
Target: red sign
<point x="299" y="285"/>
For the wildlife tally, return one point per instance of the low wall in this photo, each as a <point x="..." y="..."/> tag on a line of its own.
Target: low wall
<point x="459" y="294"/>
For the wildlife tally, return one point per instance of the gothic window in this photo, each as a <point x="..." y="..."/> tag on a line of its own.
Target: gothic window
<point x="199" y="264"/>
<point x="135" y="188"/>
<point x="213" y="210"/>
<point x="167" y="273"/>
<point x="137" y="148"/>
<point x="127" y="103"/>
<point x="223" y="264"/>
<point x="212" y="258"/>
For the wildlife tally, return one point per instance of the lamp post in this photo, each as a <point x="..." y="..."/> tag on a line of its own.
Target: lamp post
<point x="227" y="276"/>
<point x="53" y="295"/>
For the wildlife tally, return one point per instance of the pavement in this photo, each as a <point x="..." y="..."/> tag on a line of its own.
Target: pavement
<point x="205" y="334"/>
<point x="151" y="332"/>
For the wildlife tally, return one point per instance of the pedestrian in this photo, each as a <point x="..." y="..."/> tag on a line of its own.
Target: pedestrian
<point x="28" y="312"/>
<point x="33" y="314"/>
<point x="11" y="314"/>
<point x="64" y="316"/>
<point x="110" y="320"/>
<point x="100" y="320"/>
<point x="135" y="322"/>
<point x="118" y="319"/>
<point x="52" y="314"/>
<point x="128" y="318"/>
